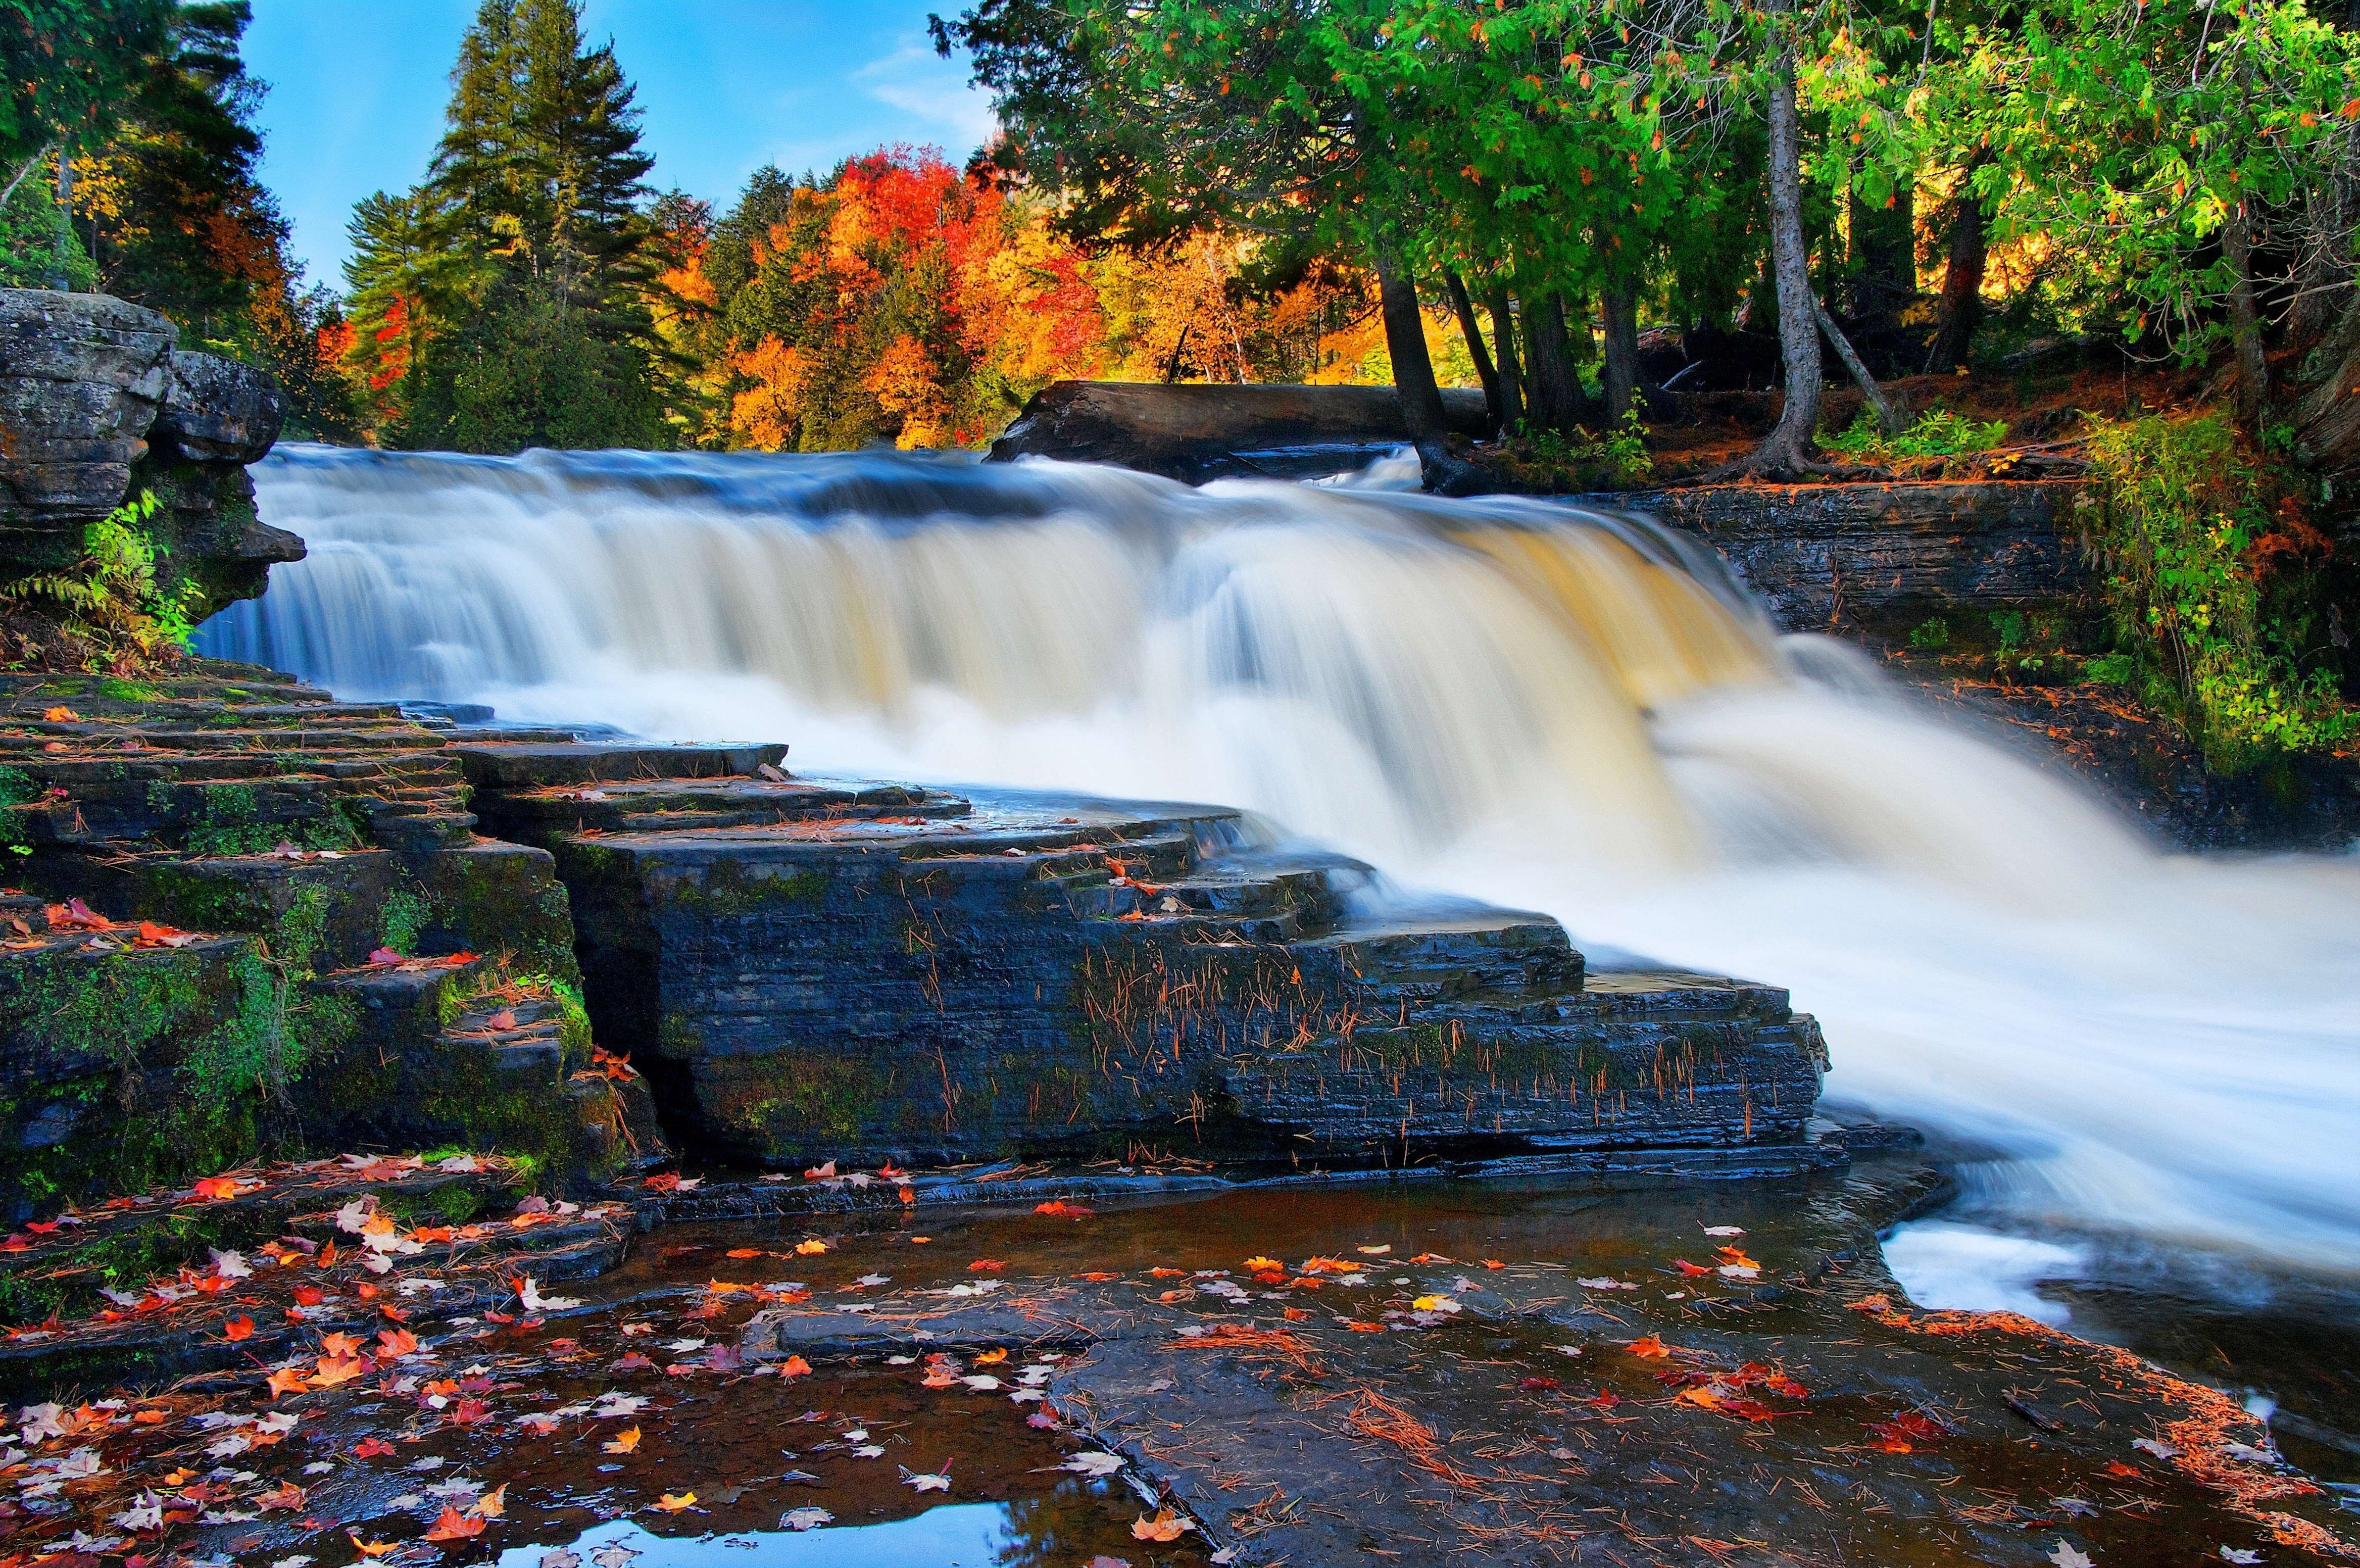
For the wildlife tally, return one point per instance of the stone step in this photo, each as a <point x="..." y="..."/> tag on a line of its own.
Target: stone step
<point x="532" y="765"/>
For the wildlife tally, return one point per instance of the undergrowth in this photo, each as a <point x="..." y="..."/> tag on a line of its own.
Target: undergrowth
<point x="1939" y="434"/>
<point x="1615" y="460"/>
<point x="114" y="609"/>
<point x="2214" y="587"/>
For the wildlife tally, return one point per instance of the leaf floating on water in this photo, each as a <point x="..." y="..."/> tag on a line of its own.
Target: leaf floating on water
<point x="2067" y="1555"/>
<point x="614" y="1555"/>
<point x="454" y="1526"/>
<point x="2228" y="1554"/>
<point x="1166" y="1526"/>
<point x="561" y="1558"/>
<point x="677" y="1502"/>
<point x="1093" y="1465"/>
<point x="939" y="1481"/>
<point x="805" y="1518"/>
<point x="624" y="1442"/>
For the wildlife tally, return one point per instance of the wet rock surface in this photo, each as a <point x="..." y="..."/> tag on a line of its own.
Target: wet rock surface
<point x="807" y="967"/>
<point x="1883" y="558"/>
<point x="1559" y="1372"/>
<point x="1199" y="432"/>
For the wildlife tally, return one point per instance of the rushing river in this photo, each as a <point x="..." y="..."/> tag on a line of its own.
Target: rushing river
<point x="1527" y="703"/>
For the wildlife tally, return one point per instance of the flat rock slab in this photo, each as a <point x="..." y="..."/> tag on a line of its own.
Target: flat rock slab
<point x="1552" y="1374"/>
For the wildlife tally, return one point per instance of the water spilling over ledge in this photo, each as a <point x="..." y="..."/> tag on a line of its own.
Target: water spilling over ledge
<point x="1510" y="701"/>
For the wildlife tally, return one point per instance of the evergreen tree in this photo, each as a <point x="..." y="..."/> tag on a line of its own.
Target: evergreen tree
<point x="531" y="237"/>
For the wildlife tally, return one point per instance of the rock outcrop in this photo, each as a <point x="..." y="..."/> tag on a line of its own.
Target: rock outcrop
<point x="801" y="968"/>
<point x="811" y="969"/>
<point x="1883" y="558"/>
<point x="1197" y="431"/>
<point x="96" y="405"/>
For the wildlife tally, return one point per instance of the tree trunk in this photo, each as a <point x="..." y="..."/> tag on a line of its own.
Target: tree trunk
<point x="1786" y="451"/>
<point x="1885" y="275"/>
<point x="1473" y="332"/>
<point x="1555" y="382"/>
<point x="1619" y="304"/>
<point x="2246" y="321"/>
<point x="1888" y="417"/>
<point x="1512" y="375"/>
<point x="2327" y="420"/>
<point x="1962" y="277"/>
<point x="60" y="273"/>
<point x="1421" y="400"/>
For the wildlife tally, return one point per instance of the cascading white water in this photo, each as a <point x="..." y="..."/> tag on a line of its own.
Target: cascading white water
<point x="1516" y="700"/>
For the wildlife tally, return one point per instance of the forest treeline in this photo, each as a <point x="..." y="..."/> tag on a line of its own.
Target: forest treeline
<point x="1284" y="189"/>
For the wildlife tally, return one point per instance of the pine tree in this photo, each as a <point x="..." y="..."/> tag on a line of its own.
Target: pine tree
<point x="522" y="269"/>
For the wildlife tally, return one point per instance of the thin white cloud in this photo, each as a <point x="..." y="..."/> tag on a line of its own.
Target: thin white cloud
<point x="933" y="91"/>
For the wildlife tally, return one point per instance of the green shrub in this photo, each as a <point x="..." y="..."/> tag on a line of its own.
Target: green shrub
<point x="1938" y="434"/>
<point x="112" y="599"/>
<point x="2212" y="588"/>
<point x="1617" y="459"/>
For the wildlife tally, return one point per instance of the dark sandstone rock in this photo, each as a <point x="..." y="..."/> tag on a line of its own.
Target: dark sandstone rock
<point x="1884" y="558"/>
<point x="95" y="406"/>
<point x="81" y="378"/>
<point x="808" y="970"/>
<point x="1197" y="431"/>
<point x="217" y="410"/>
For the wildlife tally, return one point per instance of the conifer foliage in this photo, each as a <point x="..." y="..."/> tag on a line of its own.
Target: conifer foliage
<point x="505" y="302"/>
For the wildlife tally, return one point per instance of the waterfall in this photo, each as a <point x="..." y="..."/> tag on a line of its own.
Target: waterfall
<point x="1546" y="706"/>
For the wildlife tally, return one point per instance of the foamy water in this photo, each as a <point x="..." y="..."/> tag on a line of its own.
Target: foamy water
<point x="1514" y="700"/>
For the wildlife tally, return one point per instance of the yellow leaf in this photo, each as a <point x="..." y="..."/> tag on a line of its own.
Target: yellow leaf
<point x="810" y="1249"/>
<point x="624" y="1442"/>
<point x="673" y="1502"/>
<point x="1166" y="1526"/>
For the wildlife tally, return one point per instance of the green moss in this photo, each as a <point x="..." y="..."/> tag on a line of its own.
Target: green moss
<point x="728" y="888"/>
<point x="792" y="1101"/>
<point x="128" y="691"/>
<point x="407" y="916"/>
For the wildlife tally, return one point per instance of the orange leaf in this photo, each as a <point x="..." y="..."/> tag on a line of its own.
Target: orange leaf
<point x="373" y="1548"/>
<point x="287" y="1381"/>
<point x="1062" y="1210"/>
<point x="454" y="1526"/>
<point x="333" y="1371"/>
<point x="394" y="1344"/>
<point x="1166" y="1526"/>
<point x="673" y="1502"/>
<point x="1649" y="1349"/>
<point x="625" y="1442"/>
<point x="238" y="1328"/>
<point x="991" y="1358"/>
<point x="794" y="1367"/>
<point x="215" y="1187"/>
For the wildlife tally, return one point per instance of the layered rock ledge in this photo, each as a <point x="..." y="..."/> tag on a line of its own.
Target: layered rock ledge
<point x="96" y="405"/>
<point x="803" y="968"/>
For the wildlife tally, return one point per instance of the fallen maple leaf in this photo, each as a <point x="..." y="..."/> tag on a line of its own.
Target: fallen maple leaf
<point x="810" y="1248"/>
<point x="287" y="1380"/>
<point x="238" y="1328"/>
<point x="453" y="1525"/>
<point x="371" y="1448"/>
<point x="372" y="1548"/>
<point x="214" y="1188"/>
<point x="492" y="1504"/>
<point x="61" y="716"/>
<point x="624" y="1442"/>
<point x="1166" y="1526"/>
<point x="1649" y="1349"/>
<point x="673" y="1502"/>
<point x="794" y="1367"/>
<point x="1062" y="1210"/>
<point x="332" y="1372"/>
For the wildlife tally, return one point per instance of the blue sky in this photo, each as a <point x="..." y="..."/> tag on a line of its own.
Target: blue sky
<point x="357" y="89"/>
